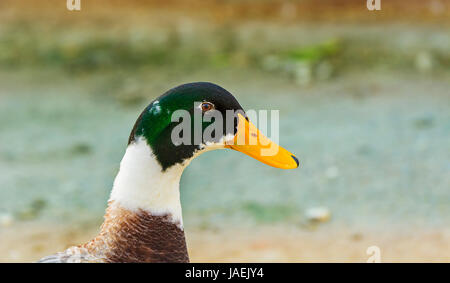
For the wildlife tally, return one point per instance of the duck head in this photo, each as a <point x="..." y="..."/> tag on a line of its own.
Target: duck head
<point x="198" y="117"/>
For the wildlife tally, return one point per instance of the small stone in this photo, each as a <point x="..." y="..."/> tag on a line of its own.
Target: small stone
<point x="318" y="214"/>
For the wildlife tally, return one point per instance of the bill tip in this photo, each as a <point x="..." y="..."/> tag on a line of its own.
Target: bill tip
<point x="296" y="160"/>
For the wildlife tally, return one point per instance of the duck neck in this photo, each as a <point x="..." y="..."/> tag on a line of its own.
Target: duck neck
<point x="143" y="221"/>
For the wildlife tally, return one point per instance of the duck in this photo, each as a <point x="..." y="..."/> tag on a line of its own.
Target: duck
<point x="143" y="220"/>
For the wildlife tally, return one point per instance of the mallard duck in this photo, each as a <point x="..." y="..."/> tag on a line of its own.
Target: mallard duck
<point x="143" y="221"/>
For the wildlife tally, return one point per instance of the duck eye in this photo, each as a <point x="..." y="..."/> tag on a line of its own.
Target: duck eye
<point x="206" y="106"/>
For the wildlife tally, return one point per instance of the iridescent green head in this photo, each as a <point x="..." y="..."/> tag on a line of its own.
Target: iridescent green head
<point x="213" y="119"/>
<point x="156" y="122"/>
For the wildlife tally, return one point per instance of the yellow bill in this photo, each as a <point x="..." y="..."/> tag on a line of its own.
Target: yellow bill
<point x="251" y="141"/>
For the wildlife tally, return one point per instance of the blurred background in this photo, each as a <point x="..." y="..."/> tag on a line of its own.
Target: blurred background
<point x="364" y="100"/>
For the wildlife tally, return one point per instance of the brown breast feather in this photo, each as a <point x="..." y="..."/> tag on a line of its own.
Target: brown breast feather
<point x="128" y="236"/>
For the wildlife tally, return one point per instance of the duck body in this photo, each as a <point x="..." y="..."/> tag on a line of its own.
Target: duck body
<point x="143" y="221"/>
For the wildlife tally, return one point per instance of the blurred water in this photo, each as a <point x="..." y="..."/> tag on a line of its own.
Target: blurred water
<point x="373" y="150"/>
